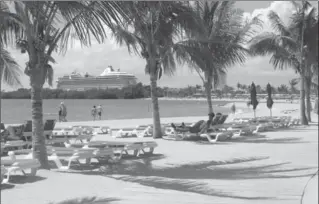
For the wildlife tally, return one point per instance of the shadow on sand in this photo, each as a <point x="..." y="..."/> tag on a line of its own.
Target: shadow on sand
<point x="256" y="139"/>
<point x="263" y="139"/>
<point x="192" y="177"/>
<point x="6" y="186"/>
<point x="19" y="179"/>
<point x="88" y="200"/>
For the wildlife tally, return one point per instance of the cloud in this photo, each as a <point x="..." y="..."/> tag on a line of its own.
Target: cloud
<point x="97" y="57"/>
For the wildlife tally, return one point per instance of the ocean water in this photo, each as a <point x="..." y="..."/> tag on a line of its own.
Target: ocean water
<point x="15" y="111"/>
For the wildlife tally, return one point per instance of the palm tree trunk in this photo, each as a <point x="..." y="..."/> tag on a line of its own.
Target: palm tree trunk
<point x="157" y="131"/>
<point x="303" y="117"/>
<point x="38" y="139"/>
<point x="208" y="85"/>
<point x="307" y="97"/>
<point x="0" y="92"/>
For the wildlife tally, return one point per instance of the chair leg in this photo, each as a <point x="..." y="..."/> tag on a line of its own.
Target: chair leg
<point x="56" y="160"/>
<point x="6" y="180"/>
<point x="148" y="152"/>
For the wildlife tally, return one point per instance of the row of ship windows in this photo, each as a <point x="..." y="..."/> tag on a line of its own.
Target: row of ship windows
<point x="97" y="84"/>
<point x="98" y="78"/>
<point x="87" y="87"/>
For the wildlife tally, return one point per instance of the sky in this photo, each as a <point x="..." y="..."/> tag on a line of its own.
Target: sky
<point x="96" y="58"/>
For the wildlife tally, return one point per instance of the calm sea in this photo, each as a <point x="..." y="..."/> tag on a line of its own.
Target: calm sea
<point x="16" y="111"/>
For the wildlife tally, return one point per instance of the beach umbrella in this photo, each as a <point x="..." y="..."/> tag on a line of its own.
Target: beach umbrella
<point x="316" y="109"/>
<point x="253" y="97"/>
<point x="270" y="102"/>
<point x="233" y="108"/>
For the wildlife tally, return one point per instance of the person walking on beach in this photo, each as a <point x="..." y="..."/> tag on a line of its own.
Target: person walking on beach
<point x="93" y="112"/>
<point x="99" y="111"/>
<point x="63" y="112"/>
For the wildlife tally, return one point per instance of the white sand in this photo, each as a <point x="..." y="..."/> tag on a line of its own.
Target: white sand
<point x="272" y="168"/>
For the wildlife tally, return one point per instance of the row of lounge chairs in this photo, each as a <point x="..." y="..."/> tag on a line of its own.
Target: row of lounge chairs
<point x="102" y="151"/>
<point x="24" y="131"/>
<point x="83" y="149"/>
<point x="220" y="131"/>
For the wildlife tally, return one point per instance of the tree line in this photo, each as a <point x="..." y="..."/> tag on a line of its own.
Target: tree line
<point x="143" y="91"/>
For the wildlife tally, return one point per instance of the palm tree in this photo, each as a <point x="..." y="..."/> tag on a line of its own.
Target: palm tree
<point x="286" y="45"/>
<point x="305" y="22"/>
<point x="150" y="34"/>
<point x="49" y="26"/>
<point x="283" y="88"/>
<point x="218" y="44"/>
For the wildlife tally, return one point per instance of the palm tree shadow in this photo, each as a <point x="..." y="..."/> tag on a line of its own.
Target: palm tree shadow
<point x="189" y="177"/>
<point x="256" y="140"/>
<point x="219" y="170"/>
<point x="19" y="179"/>
<point x="6" y="186"/>
<point x="88" y="200"/>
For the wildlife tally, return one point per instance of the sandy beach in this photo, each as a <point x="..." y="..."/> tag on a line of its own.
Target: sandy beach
<point x="271" y="167"/>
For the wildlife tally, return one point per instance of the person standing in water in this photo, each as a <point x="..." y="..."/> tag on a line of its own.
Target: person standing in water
<point x="99" y="111"/>
<point x="60" y="113"/>
<point x="93" y="112"/>
<point x="63" y="112"/>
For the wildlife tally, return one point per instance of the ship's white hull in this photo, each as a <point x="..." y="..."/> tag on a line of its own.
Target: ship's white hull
<point x="95" y="83"/>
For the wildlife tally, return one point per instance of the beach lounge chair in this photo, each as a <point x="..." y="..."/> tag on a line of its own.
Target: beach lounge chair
<point x="12" y="165"/>
<point x="214" y="137"/>
<point x="101" y="130"/>
<point x="2" y="129"/>
<point x="48" y="127"/>
<point x="116" y="132"/>
<point x="128" y="132"/>
<point x="122" y="147"/>
<point x="14" y="145"/>
<point x="3" y="172"/>
<point x="143" y="131"/>
<point x="27" y="129"/>
<point x="56" y="154"/>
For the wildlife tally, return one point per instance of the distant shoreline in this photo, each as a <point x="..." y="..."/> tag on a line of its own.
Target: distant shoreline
<point x="228" y="100"/>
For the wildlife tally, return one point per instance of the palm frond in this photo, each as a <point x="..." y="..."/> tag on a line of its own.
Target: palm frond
<point x="9" y="68"/>
<point x="277" y="24"/>
<point x="11" y="26"/>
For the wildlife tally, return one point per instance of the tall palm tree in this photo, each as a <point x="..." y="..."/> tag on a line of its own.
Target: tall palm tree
<point x="305" y="22"/>
<point x="151" y="33"/>
<point x="286" y="45"/>
<point x="49" y="26"/>
<point x="219" y="43"/>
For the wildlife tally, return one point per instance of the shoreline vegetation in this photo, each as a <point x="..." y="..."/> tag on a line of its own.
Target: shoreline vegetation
<point x="139" y="91"/>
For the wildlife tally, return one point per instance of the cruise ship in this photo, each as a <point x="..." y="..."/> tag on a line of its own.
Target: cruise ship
<point x="108" y="79"/>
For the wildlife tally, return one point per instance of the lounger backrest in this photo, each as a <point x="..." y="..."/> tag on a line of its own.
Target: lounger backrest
<point x="28" y="126"/>
<point x="2" y="126"/>
<point x="49" y="125"/>
<point x="216" y="119"/>
<point x="222" y="119"/>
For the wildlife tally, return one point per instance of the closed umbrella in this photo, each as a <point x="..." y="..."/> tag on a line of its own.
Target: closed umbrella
<point x="233" y="108"/>
<point x="253" y="98"/>
<point x="270" y="102"/>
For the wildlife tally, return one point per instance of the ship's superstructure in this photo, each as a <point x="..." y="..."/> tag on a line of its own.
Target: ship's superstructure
<point x="108" y="79"/>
